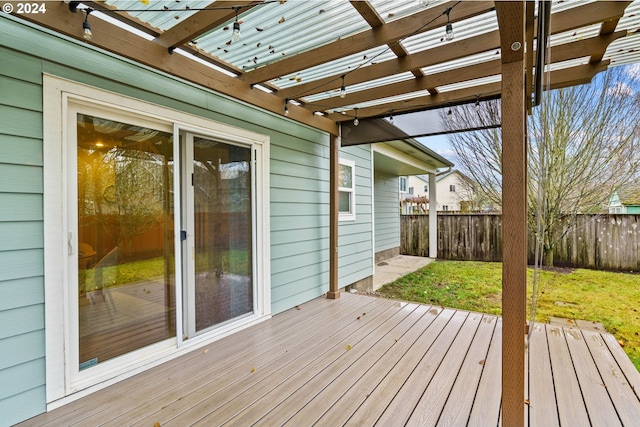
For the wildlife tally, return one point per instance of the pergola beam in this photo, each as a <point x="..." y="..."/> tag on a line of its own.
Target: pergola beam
<point x="201" y="22"/>
<point x="578" y="49"/>
<point x="561" y="22"/>
<point x="120" y="41"/>
<point x="560" y="78"/>
<point x="373" y="18"/>
<point x="386" y="34"/>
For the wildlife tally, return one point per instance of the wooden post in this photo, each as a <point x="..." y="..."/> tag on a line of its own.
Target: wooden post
<point x="511" y="20"/>
<point x="334" y="152"/>
<point x="433" y="218"/>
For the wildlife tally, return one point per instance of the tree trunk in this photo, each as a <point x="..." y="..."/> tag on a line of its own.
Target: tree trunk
<point x="547" y="259"/>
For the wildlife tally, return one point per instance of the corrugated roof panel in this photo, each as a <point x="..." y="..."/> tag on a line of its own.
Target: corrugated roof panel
<point x="380" y="101"/>
<point x="156" y="13"/>
<point x="463" y="62"/>
<point x="274" y="31"/>
<point x="462" y="30"/>
<point x="391" y="10"/>
<point x="470" y="83"/>
<point x="339" y="66"/>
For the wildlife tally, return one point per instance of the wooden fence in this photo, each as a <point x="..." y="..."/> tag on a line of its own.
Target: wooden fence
<point x="604" y="242"/>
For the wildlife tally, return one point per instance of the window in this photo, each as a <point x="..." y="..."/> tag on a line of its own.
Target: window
<point x="403" y="184"/>
<point x="347" y="190"/>
<point x="410" y="190"/>
<point x="445" y="207"/>
<point x="452" y="188"/>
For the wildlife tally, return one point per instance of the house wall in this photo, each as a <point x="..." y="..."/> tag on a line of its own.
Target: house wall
<point x="418" y="185"/>
<point x="299" y="193"/>
<point x="387" y="212"/>
<point x="355" y="260"/>
<point x="445" y="197"/>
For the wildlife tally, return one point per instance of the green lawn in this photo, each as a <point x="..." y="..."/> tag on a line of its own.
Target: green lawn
<point x="612" y="299"/>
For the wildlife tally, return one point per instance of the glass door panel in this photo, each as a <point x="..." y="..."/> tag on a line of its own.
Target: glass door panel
<point x="126" y="283"/>
<point x="222" y="245"/>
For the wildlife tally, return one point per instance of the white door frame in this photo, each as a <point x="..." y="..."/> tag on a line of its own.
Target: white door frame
<point x="60" y="239"/>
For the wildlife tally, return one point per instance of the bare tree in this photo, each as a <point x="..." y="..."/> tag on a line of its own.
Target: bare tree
<point x="582" y="145"/>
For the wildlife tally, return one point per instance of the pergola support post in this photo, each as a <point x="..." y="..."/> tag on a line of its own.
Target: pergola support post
<point x="511" y="20"/>
<point x="433" y="217"/>
<point x="334" y="153"/>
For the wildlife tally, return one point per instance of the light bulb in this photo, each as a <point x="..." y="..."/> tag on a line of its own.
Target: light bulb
<point x="356" y="122"/>
<point x="86" y="29"/>
<point x="343" y="91"/>
<point x="286" y="108"/>
<point x="236" y="32"/>
<point x="449" y="31"/>
<point x="391" y="119"/>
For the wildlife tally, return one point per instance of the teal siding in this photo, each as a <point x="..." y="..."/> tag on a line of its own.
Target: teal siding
<point x="22" y="344"/>
<point x="387" y="212"/>
<point x="355" y="237"/>
<point x="299" y="193"/>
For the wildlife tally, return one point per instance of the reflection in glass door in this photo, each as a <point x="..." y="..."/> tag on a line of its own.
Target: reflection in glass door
<point x="218" y="218"/>
<point x="126" y="292"/>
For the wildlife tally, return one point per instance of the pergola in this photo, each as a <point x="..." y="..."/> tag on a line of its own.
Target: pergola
<point x="324" y="63"/>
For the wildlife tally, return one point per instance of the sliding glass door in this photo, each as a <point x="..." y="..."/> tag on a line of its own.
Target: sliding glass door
<point x="217" y="182"/>
<point x="125" y="291"/>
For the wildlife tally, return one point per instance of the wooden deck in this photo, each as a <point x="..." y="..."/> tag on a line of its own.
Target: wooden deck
<point x="361" y="361"/>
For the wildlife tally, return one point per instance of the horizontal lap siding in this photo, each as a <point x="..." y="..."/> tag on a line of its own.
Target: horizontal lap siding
<point x="22" y="363"/>
<point x="299" y="191"/>
<point x="355" y="237"/>
<point x="387" y="212"/>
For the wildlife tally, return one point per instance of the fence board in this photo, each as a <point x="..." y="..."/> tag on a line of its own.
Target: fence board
<point x="604" y="242"/>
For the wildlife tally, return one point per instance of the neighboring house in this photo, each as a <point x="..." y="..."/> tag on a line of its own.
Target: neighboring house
<point x="625" y="200"/>
<point x="454" y="192"/>
<point x="107" y="162"/>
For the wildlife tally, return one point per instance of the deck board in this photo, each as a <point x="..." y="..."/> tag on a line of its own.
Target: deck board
<point x="460" y="401"/>
<point x="364" y="361"/>
<point x="541" y="394"/>
<point x="596" y="397"/>
<point x="571" y="406"/>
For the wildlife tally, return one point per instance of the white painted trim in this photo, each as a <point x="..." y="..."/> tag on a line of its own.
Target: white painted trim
<point x="400" y="156"/>
<point x="57" y="94"/>
<point x="351" y="216"/>
<point x="373" y="212"/>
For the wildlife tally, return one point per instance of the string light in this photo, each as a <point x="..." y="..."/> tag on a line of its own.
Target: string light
<point x="477" y="105"/>
<point x="236" y="27"/>
<point x="449" y="28"/>
<point x="391" y="117"/>
<point x="86" y="28"/>
<point x="449" y="113"/>
<point x="343" y="90"/>
<point x="286" y="107"/>
<point x="356" y="122"/>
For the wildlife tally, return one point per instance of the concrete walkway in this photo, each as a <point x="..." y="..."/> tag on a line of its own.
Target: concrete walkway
<point x="391" y="269"/>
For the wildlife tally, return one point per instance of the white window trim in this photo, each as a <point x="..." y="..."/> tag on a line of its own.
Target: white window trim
<point x="349" y="216"/>
<point x="406" y="184"/>
<point x="59" y="240"/>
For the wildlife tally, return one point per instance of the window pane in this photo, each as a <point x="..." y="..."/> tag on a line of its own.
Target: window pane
<point x="125" y="234"/>
<point x="344" y="202"/>
<point x="345" y="176"/>
<point x="223" y="232"/>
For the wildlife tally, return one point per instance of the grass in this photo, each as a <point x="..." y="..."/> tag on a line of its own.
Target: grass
<point x="610" y="298"/>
